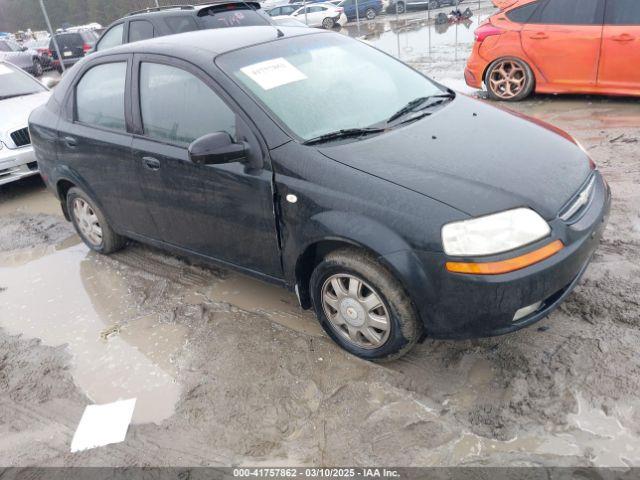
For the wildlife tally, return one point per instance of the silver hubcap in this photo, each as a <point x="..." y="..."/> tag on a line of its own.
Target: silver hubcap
<point x="355" y="311"/>
<point x="87" y="221"/>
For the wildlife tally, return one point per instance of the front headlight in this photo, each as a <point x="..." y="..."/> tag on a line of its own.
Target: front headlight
<point x="494" y="234"/>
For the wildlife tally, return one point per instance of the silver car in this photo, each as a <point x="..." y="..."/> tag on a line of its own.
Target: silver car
<point x="27" y="59"/>
<point x="19" y="95"/>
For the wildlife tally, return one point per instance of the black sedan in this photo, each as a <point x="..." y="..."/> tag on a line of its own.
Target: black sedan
<point x="395" y="208"/>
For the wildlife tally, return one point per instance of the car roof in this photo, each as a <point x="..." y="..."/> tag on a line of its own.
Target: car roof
<point x="214" y="41"/>
<point x="172" y="10"/>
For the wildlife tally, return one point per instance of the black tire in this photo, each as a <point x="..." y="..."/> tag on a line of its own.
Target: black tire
<point x="433" y="4"/>
<point x="328" y="23"/>
<point x="111" y="241"/>
<point x="400" y="8"/>
<point x="493" y="72"/>
<point x="37" y="68"/>
<point x="405" y="326"/>
<point x="370" y="13"/>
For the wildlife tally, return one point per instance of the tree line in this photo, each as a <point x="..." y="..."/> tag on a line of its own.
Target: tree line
<point x="24" y="14"/>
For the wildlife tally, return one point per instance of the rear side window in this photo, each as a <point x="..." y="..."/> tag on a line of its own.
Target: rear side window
<point x="522" y="14"/>
<point x="178" y="107"/>
<point x="140" y="30"/>
<point x="111" y="38"/>
<point x="100" y="96"/>
<point x="181" y="24"/>
<point x="622" y="12"/>
<point x="570" y="12"/>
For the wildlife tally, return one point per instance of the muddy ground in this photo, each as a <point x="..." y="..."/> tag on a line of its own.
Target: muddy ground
<point x="228" y="371"/>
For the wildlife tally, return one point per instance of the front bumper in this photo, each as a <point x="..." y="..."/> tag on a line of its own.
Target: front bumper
<point x="17" y="163"/>
<point x="469" y="306"/>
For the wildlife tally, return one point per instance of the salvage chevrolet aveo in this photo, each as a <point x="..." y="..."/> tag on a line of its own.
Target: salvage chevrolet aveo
<point x="317" y="162"/>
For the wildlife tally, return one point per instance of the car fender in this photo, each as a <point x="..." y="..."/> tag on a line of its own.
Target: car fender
<point x="65" y="173"/>
<point x="391" y="250"/>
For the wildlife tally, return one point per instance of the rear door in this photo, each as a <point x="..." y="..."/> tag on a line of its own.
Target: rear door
<point x="94" y="142"/>
<point x="563" y="39"/>
<point x="620" y="57"/>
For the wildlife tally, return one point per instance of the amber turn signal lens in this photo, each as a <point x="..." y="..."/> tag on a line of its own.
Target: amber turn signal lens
<point x="509" y="265"/>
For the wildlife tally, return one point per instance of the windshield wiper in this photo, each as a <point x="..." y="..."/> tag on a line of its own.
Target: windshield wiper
<point x="4" y="97"/>
<point x="413" y="105"/>
<point x="344" y="133"/>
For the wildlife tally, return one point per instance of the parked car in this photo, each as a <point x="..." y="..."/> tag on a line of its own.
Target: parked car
<point x="325" y="15"/>
<point x="284" y="10"/>
<point x="19" y="95"/>
<point x="368" y="9"/>
<point x="44" y="54"/>
<point x="160" y="21"/>
<point x="73" y="46"/>
<point x="558" y="46"/>
<point x="216" y="144"/>
<point x="400" y="6"/>
<point x="22" y="57"/>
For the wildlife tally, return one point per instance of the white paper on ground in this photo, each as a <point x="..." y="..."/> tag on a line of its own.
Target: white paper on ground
<point x="103" y="424"/>
<point x="273" y="73"/>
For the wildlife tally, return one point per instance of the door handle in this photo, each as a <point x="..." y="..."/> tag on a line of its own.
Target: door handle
<point x="70" y="142"/>
<point x="151" y="163"/>
<point x="625" y="37"/>
<point x="538" y="36"/>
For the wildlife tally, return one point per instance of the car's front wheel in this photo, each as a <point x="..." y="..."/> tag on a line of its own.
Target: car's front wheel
<point x="509" y="79"/>
<point x="363" y="307"/>
<point x="91" y="224"/>
<point x="400" y="8"/>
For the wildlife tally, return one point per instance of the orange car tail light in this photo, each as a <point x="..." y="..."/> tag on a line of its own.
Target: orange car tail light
<point x="487" y="30"/>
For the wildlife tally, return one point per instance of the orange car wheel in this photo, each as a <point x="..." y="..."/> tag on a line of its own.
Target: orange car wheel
<point x="509" y="79"/>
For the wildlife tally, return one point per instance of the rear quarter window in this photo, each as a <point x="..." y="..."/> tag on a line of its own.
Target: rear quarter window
<point x="522" y="14"/>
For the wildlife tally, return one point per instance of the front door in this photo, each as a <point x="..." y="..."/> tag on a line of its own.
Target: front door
<point x="620" y="57"/>
<point x="221" y="211"/>
<point x="563" y="40"/>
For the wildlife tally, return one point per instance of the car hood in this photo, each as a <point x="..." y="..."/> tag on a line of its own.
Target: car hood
<point x="14" y="112"/>
<point x="476" y="158"/>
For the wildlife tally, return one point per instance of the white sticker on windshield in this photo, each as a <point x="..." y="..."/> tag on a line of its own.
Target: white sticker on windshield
<point x="273" y="73"/>
<point x="4" y="70"/>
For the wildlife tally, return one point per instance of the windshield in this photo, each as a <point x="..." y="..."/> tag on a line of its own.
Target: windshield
<point x="14" y="83"/>
<point x="322" y="83"/>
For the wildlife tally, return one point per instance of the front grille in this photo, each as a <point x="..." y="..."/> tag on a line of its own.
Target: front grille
<point x="580" y="201"/>
<point x="21" y="137"/>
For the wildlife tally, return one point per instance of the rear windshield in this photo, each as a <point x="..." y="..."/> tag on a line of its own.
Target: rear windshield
<point x="68" y="41"/>
<point x="232" y="15"/>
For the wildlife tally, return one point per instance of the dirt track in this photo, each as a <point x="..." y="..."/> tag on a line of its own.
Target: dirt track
<point x="228" y="370"/>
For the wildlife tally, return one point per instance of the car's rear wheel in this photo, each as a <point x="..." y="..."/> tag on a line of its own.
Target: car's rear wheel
<point x="328" y="23"/>
<point x="509" y="79"/>
<point x="37" y="68"/>
<point x="91" y="224"/>
<point x="370" y="13"/>
<point x="363" y="307"/>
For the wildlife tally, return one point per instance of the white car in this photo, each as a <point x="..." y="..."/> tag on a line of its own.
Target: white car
<point x="325" y="15"/>
<point x="20" y="93"/>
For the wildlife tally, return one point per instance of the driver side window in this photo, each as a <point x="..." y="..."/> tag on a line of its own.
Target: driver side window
<point x="177" y="107"/>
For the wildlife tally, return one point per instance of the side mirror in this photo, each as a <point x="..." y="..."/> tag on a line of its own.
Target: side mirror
<point x="50" y="82"/>
<point x="216" y="148"/>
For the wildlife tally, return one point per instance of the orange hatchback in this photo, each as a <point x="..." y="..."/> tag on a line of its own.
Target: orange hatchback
<point x="558" y="46"/>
